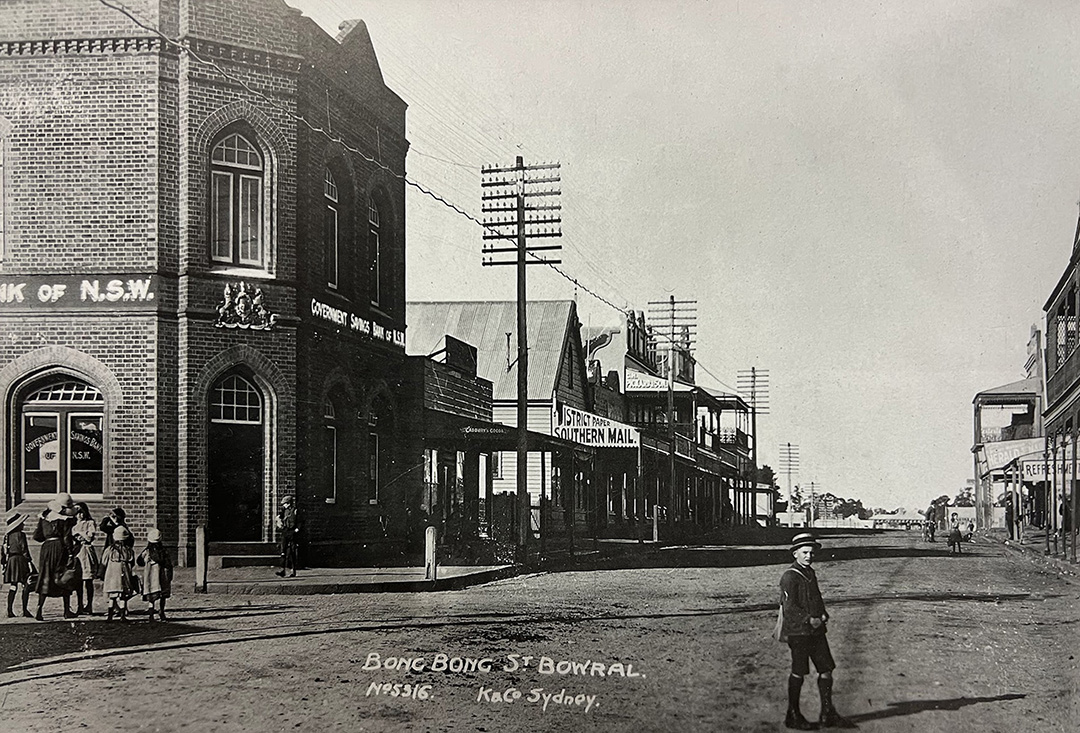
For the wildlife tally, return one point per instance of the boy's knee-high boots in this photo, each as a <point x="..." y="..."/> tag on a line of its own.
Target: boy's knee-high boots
<point x="794" y="718"/>
<point x="11" y="603"/>
<point x="829" y="717"/>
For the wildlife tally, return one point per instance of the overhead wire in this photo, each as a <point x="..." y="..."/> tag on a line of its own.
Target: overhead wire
<point x="321" y="131"/>
<point x="184" y="48"/>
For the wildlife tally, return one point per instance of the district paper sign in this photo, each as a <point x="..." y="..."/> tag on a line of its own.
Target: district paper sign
<point x="585" y="428"/>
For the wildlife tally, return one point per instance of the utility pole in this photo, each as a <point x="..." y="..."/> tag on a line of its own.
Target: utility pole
<point x="789" y="463"/>
<point x="679" y="327"/>
<point x="507" y="217"/>
<point x="753" y="384"/>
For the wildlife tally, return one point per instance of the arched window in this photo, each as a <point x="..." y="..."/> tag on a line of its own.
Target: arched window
<point x="375" y="244"/>
<point x="235" y="400"/>
<point x="331" y="433"/>
<point x="236" y="202"/>
<point x="62" y="443"/>
<point x="330" y="229"/>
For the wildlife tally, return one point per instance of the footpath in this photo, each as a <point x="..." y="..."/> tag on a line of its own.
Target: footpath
<point x="1057" y="555"/>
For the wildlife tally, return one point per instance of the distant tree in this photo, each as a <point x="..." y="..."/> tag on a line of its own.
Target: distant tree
<point x="765" y="475"/>
<point x="966" y="497"/>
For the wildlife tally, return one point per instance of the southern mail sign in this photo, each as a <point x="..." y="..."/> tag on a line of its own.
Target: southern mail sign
<point x="584" y="428"/>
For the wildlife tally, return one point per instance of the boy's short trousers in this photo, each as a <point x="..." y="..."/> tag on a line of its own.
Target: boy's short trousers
<point x="805" y="648"/>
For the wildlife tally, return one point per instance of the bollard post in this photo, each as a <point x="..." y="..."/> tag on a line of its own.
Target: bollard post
<point x="200" y="559"/>
<point x="656" y="523"/>
<point x="429" y="554"/>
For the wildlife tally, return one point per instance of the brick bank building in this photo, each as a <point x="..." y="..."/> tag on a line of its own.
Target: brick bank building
<point x="201" y="298"/>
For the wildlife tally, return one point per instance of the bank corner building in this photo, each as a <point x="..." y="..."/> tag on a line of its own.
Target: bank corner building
<point x="201" y="297"/>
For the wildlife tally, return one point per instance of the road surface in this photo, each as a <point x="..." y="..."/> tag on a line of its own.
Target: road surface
<point x="924" y="642"/>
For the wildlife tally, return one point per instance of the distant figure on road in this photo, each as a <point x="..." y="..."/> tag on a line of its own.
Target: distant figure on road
<point x="955" y="538"/>
<point x="803" y="628"/>
<point x="1009" y="516"/>
<point x="288" y="524"/>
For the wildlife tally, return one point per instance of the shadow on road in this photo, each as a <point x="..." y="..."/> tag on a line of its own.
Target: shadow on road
<point x="26" y="641"/>
<point x="739" y="557"/>
<point x="911" y="707"/>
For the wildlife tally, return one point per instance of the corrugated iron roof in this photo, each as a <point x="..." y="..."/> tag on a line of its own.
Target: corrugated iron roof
<point x="1024" y="386"/>
<point x="484" y="324"/>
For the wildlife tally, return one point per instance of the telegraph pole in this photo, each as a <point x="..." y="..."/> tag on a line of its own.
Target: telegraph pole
<point x="753" y="384"/>
<point x="508" y="218"/>
<point x="789" y="463"/>
<point x="679" y="328"/>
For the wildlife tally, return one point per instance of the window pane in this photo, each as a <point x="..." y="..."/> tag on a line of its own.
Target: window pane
<point x="235" y="400"/>
<point x="330" y="186"/>
<point x="250" y="221"/>
<point x="41" y="453"/>
<point x="330" y="232"/>
<point x="86" y="454"/>
<point x="221" y="227"/>
<point x="373" y="467"/>
<point x="331" y="461"/>
<point x="376" y="285"/>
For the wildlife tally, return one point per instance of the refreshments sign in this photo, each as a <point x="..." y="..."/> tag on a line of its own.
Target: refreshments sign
<point x="585" y="428"/>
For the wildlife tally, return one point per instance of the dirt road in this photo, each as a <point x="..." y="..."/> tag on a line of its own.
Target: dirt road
<point x="924" y="642"/>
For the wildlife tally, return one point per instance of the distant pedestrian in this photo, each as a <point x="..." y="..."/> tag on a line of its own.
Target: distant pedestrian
<point x="157" y="573"/>
<point x="120" y="581"/>
<point x="83" y="533"/>
<point x="803" y="628"/>
<point x="56" y="556"/>
<point x="955" y="537"/>
<point x="1009" y="516"/>
<point x="18" y="565"/>
<point x="288" y="525"/>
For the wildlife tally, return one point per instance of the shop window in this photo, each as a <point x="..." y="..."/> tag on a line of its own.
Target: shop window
<point x="237" y="176"/>
<point x="496" y="465"/>
<point x="331" y="434"/>
<point x="330" y="229"/>
<point x="62" y="440"/>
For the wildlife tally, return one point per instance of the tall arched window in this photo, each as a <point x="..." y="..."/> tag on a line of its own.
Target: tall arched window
<point x="330" y="424"/>
<point x="62" y="443"/>
<point x="375" y="245"/>
<point x="236" y="202"/>
<point x="330" y="229"/>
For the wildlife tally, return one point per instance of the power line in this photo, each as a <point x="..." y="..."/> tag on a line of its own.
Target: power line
<point x="319" y="130"/>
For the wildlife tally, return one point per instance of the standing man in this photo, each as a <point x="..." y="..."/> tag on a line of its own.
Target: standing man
<point x="803" y="628"/>
<point x="288" y="525"/>
<point x="1009" y="514"/>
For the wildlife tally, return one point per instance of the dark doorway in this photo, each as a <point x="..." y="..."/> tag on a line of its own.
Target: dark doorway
<point x="235" y="477"/>
<point x="235" y="461"/>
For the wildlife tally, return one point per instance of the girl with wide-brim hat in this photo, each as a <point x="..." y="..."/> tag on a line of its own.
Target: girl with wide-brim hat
<point x="54" y="533"/>
<point x="18" y="567"/>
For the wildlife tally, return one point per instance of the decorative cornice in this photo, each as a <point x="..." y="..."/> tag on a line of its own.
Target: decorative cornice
<point x="80" y="46"/>
<point x="244" y="56"/>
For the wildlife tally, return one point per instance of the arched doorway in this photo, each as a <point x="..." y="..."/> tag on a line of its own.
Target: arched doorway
<point x="236" y="459"/>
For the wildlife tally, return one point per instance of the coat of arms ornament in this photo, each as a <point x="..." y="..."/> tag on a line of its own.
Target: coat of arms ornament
<point x="242" y="307"/>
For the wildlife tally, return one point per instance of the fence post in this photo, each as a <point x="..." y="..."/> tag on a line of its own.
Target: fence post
<point x="200" y="559"/>
<point x="429" y="554"/>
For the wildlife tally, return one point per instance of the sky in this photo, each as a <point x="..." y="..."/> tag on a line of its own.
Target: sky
<point x="871" y="201"/>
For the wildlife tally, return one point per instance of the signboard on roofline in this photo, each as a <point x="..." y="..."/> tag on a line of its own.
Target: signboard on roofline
<point x="585" y="428"/>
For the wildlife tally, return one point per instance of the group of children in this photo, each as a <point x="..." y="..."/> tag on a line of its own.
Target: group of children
<point x="68" y="562"/>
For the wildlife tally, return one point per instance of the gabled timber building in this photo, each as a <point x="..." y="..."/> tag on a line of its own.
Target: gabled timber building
<point x="201" y="298"/>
